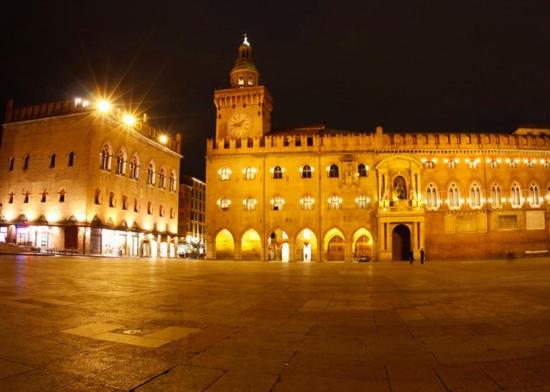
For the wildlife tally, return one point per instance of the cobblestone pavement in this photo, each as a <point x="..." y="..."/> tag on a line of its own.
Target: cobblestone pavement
<point x="81" y="324"/>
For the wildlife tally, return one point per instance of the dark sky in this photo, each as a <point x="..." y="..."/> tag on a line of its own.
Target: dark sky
<point x="406" y="65"/>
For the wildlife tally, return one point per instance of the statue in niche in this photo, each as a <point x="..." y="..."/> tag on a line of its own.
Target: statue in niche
<point x="400" y="188"/>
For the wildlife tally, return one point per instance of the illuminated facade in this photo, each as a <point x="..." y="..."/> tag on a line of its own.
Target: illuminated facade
<point x="85" y="178"/>
<point x="313" y="194"/>
<point x="192" y="221"/>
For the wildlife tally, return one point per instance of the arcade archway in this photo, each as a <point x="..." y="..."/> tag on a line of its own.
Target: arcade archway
<point x="225" y="245"/>
<point x="363" y="244"/>
<point x="278" y="248"/>
<point x="306" y="246"/>
<point x="251" y="245"/>
<point x="335" y="244"/>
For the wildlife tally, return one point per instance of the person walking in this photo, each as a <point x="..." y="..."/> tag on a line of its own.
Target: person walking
<point x="422" y="256"/>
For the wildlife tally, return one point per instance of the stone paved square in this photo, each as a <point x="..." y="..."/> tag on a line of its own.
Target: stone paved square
<point x="98" y="324"/>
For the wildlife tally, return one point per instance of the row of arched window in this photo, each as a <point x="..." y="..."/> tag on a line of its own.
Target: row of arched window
<point x="125" y="204"/>
<point x="105" y="163"/>
<point x="306" y="171"/>
<point x="474" y="197"/>
<point x="43" y="196"/>
<point x="52" y="161"/>
<point x="306" y="202"/>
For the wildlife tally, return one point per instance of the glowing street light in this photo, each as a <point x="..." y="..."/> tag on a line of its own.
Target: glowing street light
<point x="103" y="106"/>
<point x="163" y="139"/>
<point x="129" y="120"/>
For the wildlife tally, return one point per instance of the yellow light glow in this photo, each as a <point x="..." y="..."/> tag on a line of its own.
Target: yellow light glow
<point x="103" y="106"/>
<point x="163" y="139"/>
<point x="129" y="120"/>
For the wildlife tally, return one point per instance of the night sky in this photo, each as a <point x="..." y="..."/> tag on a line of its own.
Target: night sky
<point x="406" y="65"/>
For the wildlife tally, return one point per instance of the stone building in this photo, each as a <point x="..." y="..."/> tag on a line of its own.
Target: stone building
<point x="88" y="178"/>
<point x="315" y="194"/>
<point x="192" y="221"/>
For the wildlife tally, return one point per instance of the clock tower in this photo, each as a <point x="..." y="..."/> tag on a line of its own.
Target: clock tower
<point x="244" y="110"/>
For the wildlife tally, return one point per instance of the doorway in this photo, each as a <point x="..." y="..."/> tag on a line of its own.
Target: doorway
<point x="401" y="242"/>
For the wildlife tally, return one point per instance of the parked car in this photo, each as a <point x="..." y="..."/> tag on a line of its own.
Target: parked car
<point x="362" y="259"/>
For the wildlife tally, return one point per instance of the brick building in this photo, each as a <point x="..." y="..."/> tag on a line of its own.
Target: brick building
<point x="192" y="220"/>
<point x="87" y="177"/>
<point x="316" y="194"/>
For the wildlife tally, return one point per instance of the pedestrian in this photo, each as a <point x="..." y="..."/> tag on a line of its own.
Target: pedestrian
<point x="422" y="256"/>
<point x="411" y="257"/>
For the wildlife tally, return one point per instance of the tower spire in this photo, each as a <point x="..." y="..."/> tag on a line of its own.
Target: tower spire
<point x="244" y="72"/>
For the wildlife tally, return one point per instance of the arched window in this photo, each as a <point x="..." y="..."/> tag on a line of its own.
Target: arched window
<point x="362" y="170"/>
<point x="162" y="179"/>
<point x="277" y="203"/>
<point x="26" y="196"/>
<point x="534" y="195"/>
<point x="362" y="202"/>
<point x="111" y="199"/>
<point x="277" y="172"/>
<point x="70" y="159"/>
<point x="105" y="158"/>
<point x="11" y="164"/>
<point x="161" y="210"/>
<point x="307" y="202"/>
<point x="249" y="173"/>
<point x="10" y="197"/>
<point x="307" y="171"/>
<point x="173" y="181"/>
<point x="515" y="195"/>
<point x="496" y="196"/>
<point x="224" y="174"/>
<point x="172" y="214"/>
<point x="151" y="174"/>
<point x="26" y="160"/>
<point x="97" y="196"/>
<point x="43" y="196"/>
<point x="62" y="194"/>
<point x="150" y="208"/>
<point x="475" y="199"/>
<point x="224" y="203"/>
<point x="453" y="197"/>
<point x="334" y="202"/>
<point x="52" y="160"/>
<point x="136" y="205"/>
<point x="121" y="163"/>
<point x="249" y="204"/>
<point x="124" y="202"/>
<point x="432" y="198"/>
<point x="333" y="171"/>
<point x="134" y="167"/>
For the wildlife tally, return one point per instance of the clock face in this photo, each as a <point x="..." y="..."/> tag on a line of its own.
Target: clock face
<point x="239" y="124"/>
